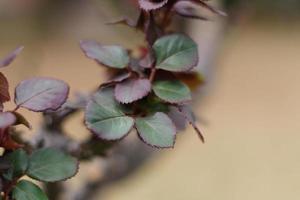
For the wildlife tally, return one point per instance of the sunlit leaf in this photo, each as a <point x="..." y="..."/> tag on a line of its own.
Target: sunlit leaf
<point x="104" y="116"/>
<point x="132" y="90"/>
<point x="172" y="91"/>
<point x="41" y="94"/>
<point x="157" y="130"/>
<point x="51" y="165"/>
<point x="176" y="53"/>
<point x="112" y="56"/>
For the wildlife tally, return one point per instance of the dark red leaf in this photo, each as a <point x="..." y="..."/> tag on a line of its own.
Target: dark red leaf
<point x="4" y="93"/>
<point x="6" y="140"/>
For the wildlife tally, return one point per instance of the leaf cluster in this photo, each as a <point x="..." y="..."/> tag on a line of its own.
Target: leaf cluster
<point x="149" y="93"/>
<point x="45" y="164"/>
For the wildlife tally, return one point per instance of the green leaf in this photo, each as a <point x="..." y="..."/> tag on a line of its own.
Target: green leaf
<point x="26" y="190"/>
<point x="111" y="56"/>
<point x="157" y="130"/>
<point x="176" y="53"/>
<point x="50" y="165"/>
<point x="172" y="91"/>
<point x="104" y="116"/>
<point x="152" y="104"/>
<point x="18" y="160"/>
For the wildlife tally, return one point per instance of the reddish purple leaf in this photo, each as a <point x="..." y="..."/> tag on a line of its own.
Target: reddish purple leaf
<point x="41" y="94"/>
<point x="132" y="90"/>
<point x="116" y="80"/>
<point x="186" y="9"/>
<point x="125" y="21"/>
<point x="190" y="117"/>
<point x="6" y="119"/>
<point x="177" y="117"/>
<point x="147" y="61"/>
<point x="10" y="57"/>
<point x="4" y="93"/>
<point x="152" y="4"/>
<point x="7" y="142"/>
<point x="209" y="7"/>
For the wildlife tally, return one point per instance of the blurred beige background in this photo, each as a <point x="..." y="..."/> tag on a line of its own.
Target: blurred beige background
<point x="251" y="110"/>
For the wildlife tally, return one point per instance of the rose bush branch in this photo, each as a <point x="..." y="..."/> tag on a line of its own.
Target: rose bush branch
<point x="148" y="94"/>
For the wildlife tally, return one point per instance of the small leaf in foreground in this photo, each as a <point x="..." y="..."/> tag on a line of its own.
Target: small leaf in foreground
<point x="41" y="94"/>
<point x="26" y="190"/>
<point x="112" y="56"/>
<point x="51" y="165"/>
<point x="10" y="57"/>
<point x="104" y="116"/>
<point x="172" y="91"/>
<point x="132" y="90"/>
<point x="157" y="130"/>
<point x="19" y="162"/>
<point x="176" y="53"/>
<point x="6" y="119"/>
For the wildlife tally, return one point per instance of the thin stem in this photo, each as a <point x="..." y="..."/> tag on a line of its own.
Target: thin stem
<point x="152" y="74"/>
<point x="9" y="187"/>
<point x="16" y="108"/>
